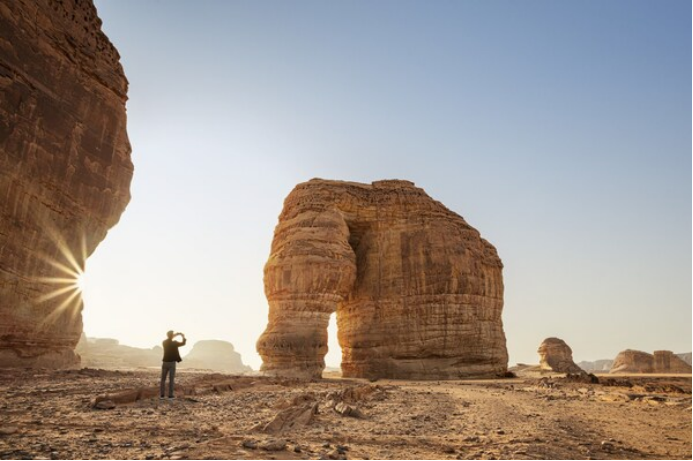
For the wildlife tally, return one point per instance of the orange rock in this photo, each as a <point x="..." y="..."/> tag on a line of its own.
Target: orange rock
<point x="65" y="170"/>
<point x="630" y="361"/>
<point x="418" y="293"/>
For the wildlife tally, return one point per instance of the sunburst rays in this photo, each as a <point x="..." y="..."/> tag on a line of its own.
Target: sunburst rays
<point x="63" y="287"/>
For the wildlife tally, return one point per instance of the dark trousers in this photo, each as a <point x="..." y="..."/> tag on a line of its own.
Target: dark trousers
<point x="167" y="368"/>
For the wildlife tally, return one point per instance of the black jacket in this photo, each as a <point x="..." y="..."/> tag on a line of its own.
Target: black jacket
<point x="171" y="353"/>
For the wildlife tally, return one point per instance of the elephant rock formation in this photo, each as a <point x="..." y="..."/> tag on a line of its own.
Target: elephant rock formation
<point x="556" y="355"/>
<point x="417" y="292"/>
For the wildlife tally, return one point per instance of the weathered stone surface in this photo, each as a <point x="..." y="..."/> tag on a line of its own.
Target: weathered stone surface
<point x="556" y="355"/>
<point x="65" y="170"/>
<point x="212" y="354"/>
<point x="418" y="293"/>
<point x="668" y="362"/>
<point x="630" y="361"/>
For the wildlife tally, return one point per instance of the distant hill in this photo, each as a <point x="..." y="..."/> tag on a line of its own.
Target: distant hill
<point x="212" y="354"/>
<point x="686" y="357"/>
<point x="108" y="353"/>
<point x="598" y="365"/>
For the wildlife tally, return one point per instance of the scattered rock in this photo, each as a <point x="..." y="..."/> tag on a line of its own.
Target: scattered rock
<point x="347" y="410"/>
<point x="105" y="405"/>
<point x="607" y="446"/>
<point x="250" y="444"/>
<point x="291" y="418"/>
<point x="273" y="445"/>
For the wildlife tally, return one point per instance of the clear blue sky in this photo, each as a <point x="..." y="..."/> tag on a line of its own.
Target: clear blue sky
<point x="560" y="130"/>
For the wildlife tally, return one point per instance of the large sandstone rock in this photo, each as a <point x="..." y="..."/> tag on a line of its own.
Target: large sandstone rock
<point x="556" y="355"/>
<point x="417" y="292"/>
<point x="630" y="361"/>
<point x="668" y="362"/>
<point x="212" y="354"/>
<point x="65" y="170"/>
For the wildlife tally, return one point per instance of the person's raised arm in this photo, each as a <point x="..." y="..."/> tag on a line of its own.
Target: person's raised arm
<point x="184" y="340"/>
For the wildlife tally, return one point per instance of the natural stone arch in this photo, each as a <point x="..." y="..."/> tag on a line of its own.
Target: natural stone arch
<point x="418" y="293"/>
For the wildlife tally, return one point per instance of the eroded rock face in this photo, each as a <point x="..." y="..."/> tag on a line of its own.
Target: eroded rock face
<point x="65" y="170"/>
<point x="213" y="354"/>
<point x="668" y="362"/>
<point x="630" y="361"/>
<point x="556" y="355"/>
<point x="418" y="293"/>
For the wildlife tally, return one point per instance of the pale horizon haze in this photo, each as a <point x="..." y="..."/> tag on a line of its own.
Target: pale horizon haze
<point x="560" y="130"/>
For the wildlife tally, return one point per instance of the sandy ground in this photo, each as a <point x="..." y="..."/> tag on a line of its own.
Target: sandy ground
<point x="51" y="415"/>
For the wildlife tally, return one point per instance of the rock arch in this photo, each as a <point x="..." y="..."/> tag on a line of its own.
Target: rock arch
<point x="417" y="291"/>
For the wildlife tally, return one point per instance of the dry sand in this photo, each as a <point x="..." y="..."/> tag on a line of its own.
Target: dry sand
<point x="50" y="415"/>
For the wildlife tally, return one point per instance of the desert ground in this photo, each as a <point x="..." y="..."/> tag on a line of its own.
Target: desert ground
<point x="106" y="414"/>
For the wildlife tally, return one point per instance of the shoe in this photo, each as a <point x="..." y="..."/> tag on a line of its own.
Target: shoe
<point x="161" y="397"/>
<point x="172" y="398"/>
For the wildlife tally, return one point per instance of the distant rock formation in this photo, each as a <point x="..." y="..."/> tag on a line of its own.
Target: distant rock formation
<point x="686" y="357"/>
<point x="65" y="170"/>
<point x="631" y="361"/>
<point x="108" y="353"/>
<point x="668" y="362"/>
<point x="215" y="355"/>
<point x="603" y="365"/>
<point x="417" y="292"/>
<point x="556" y="355"/>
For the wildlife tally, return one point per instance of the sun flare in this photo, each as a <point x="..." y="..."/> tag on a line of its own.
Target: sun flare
<point x="64" y="286"/>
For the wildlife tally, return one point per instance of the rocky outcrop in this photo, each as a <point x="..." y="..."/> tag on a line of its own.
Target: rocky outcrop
<point x="556" y="355"/>
<point x="668" y="362"/>
<point x="65" y="170"/>
<point x="630" y="361"/>
<point x="215" y="355"/>
<point x="417" y="292"/>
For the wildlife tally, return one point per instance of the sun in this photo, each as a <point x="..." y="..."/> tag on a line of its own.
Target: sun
<point x="62" y="281"/>
<point x="80" y="282"/>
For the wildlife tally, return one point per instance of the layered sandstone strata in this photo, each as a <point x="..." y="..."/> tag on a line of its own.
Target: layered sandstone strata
<point x="416" y="290"/>
<point x="65" y="170"/>
<point x="556" y="355"/>
<point x="630" y="361"/>
<point x="668" y="362"/>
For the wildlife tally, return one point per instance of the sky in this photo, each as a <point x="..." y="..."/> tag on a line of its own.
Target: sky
<point x="560" y="130"/>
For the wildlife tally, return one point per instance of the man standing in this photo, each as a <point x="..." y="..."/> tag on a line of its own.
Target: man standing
<point x="171" y="357"/>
